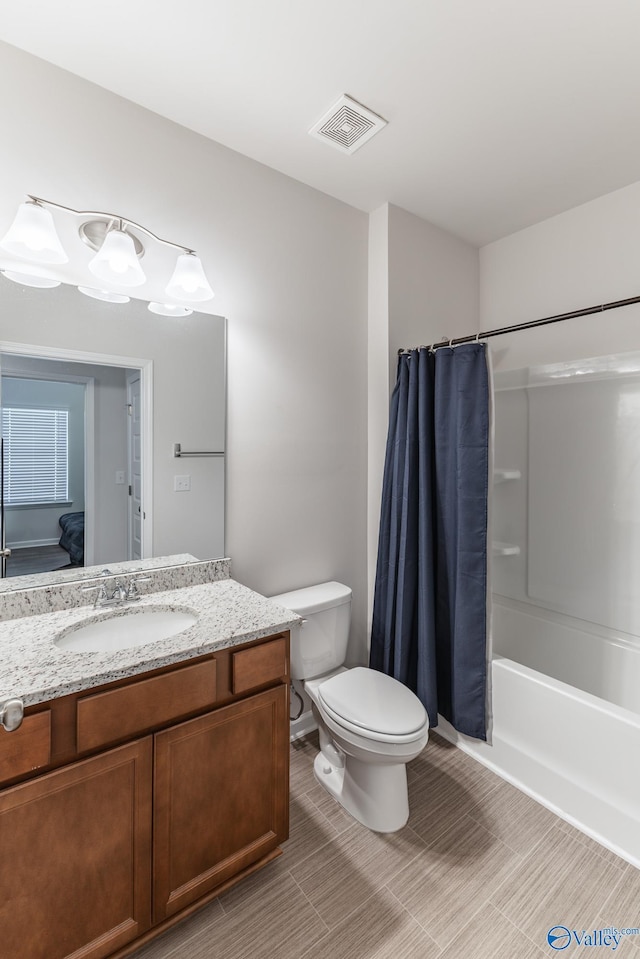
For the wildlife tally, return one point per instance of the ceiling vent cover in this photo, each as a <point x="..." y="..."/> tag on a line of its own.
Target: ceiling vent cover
<point x="347" y="125"/>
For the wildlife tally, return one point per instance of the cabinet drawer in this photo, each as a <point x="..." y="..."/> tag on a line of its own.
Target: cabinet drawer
<point x="27" y="747"/>
<point x="258" y="665"/>
<point x="144" y="705"/>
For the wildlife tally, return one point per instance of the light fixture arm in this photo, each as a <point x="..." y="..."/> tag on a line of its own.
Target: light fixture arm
<point x="109" y="216"/>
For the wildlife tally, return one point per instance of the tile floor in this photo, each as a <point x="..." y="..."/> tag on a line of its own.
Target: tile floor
<point x="481" y="871"/>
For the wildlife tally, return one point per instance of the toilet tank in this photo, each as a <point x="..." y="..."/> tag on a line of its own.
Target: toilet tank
<point x="319" y="645"/>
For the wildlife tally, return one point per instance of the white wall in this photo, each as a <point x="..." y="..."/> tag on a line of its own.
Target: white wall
<point x="289" y="266"/>
<point x="586" y="256"/>
<point x="378" y="385"/>
<point x="423" y="286"/>
<point x="433" y="284"/>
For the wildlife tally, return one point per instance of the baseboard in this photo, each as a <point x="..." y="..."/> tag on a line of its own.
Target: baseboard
<point x="31" y="544"/>
<point x="302" y="726"/>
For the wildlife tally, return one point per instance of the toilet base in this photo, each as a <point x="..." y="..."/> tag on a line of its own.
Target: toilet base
<point x="373" y="793"/>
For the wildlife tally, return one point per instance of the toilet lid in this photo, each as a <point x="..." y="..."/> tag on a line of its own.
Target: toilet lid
<point x="373" y="701"/>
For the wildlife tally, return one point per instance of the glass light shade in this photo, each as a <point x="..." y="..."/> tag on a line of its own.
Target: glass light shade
<point x="31" y="279"/>
<point x="33" y="235"/>
<point x="105" y="295"/>
<point x="169" y="309"/>
<point x="116" y="261"/>
<point x="188" y="281"/>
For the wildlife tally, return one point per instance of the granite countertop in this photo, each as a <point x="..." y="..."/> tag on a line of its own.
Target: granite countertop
<point x="35" y="670"/>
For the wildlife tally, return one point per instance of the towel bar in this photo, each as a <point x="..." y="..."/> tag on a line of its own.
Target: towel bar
<point x="178" y="451"/>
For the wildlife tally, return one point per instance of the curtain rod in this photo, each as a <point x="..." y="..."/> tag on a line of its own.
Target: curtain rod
<point x="530" y="324"/>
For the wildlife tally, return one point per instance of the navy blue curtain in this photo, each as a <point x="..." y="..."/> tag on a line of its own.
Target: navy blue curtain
<point x="429" y="611"/>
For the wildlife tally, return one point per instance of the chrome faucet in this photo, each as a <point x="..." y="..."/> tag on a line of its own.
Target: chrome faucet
<point x="118" y="593"/>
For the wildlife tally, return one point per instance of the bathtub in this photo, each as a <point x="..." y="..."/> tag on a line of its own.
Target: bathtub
<point x="575" y="752"/>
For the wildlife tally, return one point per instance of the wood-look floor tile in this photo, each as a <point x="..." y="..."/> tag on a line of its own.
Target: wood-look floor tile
<point x="345" y="873"/>
<point x="337" y="816"/>
<point x="380" y="929"/>
<point x="275" y="921"/>
<point x="442" y="754"/>
<point x="439" y="798"/>
<point x="592" y="844"/>
<point x="256" y="883"/>
<point x="302" y="752"/>
<point x="309" y="829"/>
<point x="489" y="935"/>
<point x="445" y="886"/>
<point x="622" y="910"/>
<point x="561" y="882"/>
<point x="175" y="942"/>
<point x="519" y="821"/>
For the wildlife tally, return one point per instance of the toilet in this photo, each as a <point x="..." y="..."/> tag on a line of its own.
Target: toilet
<point x="370" y="725"/>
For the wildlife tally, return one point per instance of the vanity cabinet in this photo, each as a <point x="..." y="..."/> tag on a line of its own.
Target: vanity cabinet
<point x="76" y="865"/>
<point x="169" y="787"/>
<point x="223" y="768"/>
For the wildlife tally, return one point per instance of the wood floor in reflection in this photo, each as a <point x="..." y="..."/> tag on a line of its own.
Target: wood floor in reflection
<point x="36" y="559"/>
<point x="480" y="871"/>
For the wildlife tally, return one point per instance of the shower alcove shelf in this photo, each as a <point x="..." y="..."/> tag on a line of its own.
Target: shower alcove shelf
<point x="504" y="476"/>
<point x="504" y="549"/>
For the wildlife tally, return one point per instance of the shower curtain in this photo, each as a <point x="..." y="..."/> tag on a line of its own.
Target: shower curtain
<point x="430" y="607"/>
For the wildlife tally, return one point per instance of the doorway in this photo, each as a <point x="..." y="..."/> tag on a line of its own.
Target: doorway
<point x="94" y="520"/>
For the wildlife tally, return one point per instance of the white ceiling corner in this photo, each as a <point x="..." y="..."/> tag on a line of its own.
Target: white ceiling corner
<point x="500" y="114"/>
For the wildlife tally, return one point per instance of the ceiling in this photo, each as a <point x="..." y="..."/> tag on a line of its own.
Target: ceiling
<point x="500" y="113"/>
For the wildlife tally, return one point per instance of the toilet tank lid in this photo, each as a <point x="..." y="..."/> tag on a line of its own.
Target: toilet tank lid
<point x="312" y="599"/>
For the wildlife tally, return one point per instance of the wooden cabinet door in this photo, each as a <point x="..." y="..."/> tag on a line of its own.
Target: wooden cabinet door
<point x="221" y="797"/>
<point x="75" y="853"/>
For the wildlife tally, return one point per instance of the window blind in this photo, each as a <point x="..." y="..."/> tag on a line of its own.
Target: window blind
<point x="36" y="456"/>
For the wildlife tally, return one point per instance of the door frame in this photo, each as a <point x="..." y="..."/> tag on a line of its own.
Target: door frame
<point x="131" y="375"/>
<point x="89" y="445"/>
<point x="145" y="367"/>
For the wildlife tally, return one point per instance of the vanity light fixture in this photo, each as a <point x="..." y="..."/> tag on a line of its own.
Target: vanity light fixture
<point x="169" y="309"/>
<point x="117" y="258"/>
<point x="33" y="234"/>
<point x="118" y="249"/>
<point x="105" y="295"/>
<point x="188" y="281"/>
<point x="31" y="279"/>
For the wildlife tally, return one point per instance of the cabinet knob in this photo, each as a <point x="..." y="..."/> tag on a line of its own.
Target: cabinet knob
<point x="11" y="714"/>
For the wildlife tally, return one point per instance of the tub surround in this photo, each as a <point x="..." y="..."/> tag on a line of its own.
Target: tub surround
<point x="35" y="670"/>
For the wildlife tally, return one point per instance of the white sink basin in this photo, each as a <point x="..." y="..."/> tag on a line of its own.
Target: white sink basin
<point x="125" y="628"/>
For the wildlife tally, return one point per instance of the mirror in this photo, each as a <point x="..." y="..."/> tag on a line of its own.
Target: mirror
<point x="176" y="504"/>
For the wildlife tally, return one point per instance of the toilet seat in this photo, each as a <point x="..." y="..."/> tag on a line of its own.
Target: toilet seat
<point x="373" y="705"/>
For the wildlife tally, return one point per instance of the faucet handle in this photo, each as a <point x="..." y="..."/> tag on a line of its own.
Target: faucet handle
<point x="132" y="591"/>
<point x="102" y="596"/>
